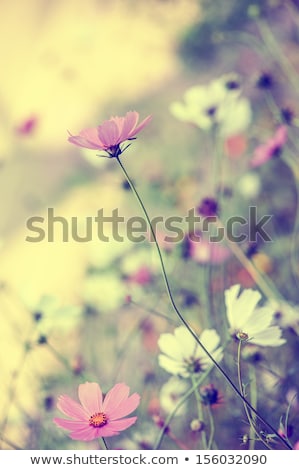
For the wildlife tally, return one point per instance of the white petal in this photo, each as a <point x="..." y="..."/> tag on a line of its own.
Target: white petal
<point x="269" y="337"/>
<point x="169" y="345"/>
<point x="230" y="300"/>
<point x="185" y="341"/>
<point x="171" y="366"/>
<point x="210" y="339"/>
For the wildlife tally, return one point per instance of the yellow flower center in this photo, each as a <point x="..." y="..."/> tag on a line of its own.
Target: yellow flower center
<point x="98" y="420"/>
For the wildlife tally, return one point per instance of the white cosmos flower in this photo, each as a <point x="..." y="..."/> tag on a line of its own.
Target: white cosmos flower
<point x="249" y="321"/>
<point x="219" y="102"/>
<point x="171" y="393"/>
<point x="181" y="355"/>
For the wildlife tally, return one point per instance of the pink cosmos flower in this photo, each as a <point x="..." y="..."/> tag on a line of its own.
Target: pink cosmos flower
<point x="273" y="147"/>
<point x="204" y="251"/>
<point x="95" y="417"/>
<point x="111" y="134"/>
<point x="142" y="276"/>
<point x="28" y="126"/>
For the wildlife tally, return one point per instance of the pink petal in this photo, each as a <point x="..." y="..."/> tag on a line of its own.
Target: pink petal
<point x="91" y="135"/>
<point x="281" y="136"/>
<point x="121" y="424"/>
<point x="71" y="408"/>
<point x="261" y="155"/>
<point x="115" y="397"/>
<point x="81" y="142"/>
<point x="140" y="127"/>
<point x="90" y="395"/>
<point x="71" y="425"/>
<point x="129" y="124"/>
<point x="109" y="133"/>
<point x="88" y="434"/>
<point x="126" y="407"/>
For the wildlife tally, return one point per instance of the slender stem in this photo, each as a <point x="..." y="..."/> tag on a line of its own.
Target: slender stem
<point x="253" y="398"/>
<point x="104" y="444"/>
<point x="249" y="417"/>
<point x="177" y="311"/>
<point x="212" y="427"/>
<point x="178" y="405"/>
<point x="200" y="413"/>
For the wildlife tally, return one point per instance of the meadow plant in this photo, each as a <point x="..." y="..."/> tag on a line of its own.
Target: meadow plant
<point x="204" y="330"/>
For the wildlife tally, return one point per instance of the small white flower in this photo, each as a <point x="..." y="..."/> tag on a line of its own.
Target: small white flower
<point x="218" y="102"/>
<point x="286" y="315"/>
<point x="249" y="322"/>
<point x="171" y="393"/>
<point x="181" y="355"/>
<point x="249" y="185"/>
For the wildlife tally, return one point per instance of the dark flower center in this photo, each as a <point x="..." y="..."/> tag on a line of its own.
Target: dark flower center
<point x="209" y="395"/>
<point x="98" y="420"/>
<point x="193" y="365"/>
<point x="211" y="111"/>
<point x="232" y="85"/>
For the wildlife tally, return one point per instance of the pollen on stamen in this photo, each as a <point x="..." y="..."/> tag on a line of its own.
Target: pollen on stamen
<point x="98" y="420"/>
<point x="242" y="336"/>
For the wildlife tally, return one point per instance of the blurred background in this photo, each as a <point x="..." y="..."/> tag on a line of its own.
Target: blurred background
<point x="82" y="311"/>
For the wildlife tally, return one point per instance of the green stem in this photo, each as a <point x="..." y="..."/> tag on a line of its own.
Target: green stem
<point x="200" y="414"/>
<point x="182" y="319"/>
<point x="177" y="407"/>
<point x="212" y="428"/>
<point x="250" y="419"/>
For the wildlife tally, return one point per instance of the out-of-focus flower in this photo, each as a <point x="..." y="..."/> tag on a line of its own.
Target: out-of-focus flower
<point x="143" y="439"/>
<point x="142" y="276"/>
<point x="265" y="81"/>
<point x="270" y="149"/>
<point x="49" y="314"/>
<point x="28" y="126"/>
<point x="287" y="115"/>
<point x="249" y="185"/>
<point x="202" y="251"/>
<point x="196" y="425"/>
<point x="208" y="207"/>
<point x="249" y="322"/>
<point x="235" y="146"/>
<point x="103" y="291"/>
<point x="218" y="103"/>
<point x="286" y="315"/>
<point x="181" y="355"/>
<point x="296" y="446"/>
<point x="210" y="395"/>
<point x="95" y="417"/>
<point x="111" y="134"/>
<point x="171" y="393"/>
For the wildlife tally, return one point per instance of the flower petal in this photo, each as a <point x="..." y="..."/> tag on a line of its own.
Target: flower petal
<point x="90" y="395"/>
<point x="109" y="134"/>
<point x="70" y="425"/>
<point x="210" y="339"/>
<point x="120" y="424"/>
<point x="125" y="408"/>
<point x="269" y="337"/>
<point x="82" y="142"/>
<point x="173" y="366"/>
<point x="71" y="408"/>
<point x="115" y="397"/>
<point x="128" y="125"/>
<point x="239" y="309"/>
<point x="88" y="434"/>
<point x="140" y="127"/>
<point x="185" y="341"/>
